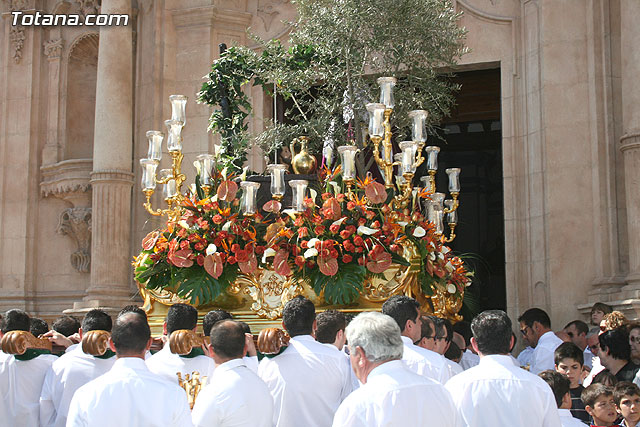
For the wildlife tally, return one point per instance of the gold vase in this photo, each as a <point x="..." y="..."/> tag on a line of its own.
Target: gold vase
<point x="302" y="162"/>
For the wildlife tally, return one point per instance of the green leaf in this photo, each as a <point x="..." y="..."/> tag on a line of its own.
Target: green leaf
<point x="343" y="288"/>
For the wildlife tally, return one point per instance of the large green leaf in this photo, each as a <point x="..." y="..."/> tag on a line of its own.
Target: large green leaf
<point x="342" y="288"/>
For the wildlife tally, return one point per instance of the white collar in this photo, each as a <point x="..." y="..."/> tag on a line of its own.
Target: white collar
<point x="500" y="359"/>
<point x="391" y="365"/>
<point x="548" y="335"/>
<point x="230" y="365"/>
<point x="135" y="363"/>
<point x="407" y="340"/>
<point x="565" y="413"/>
<point x="308" y="338"/>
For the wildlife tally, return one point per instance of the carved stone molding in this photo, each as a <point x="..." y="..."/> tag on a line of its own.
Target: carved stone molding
<point x="53" y="48"/>
<point x="267" y="11"/>
<point x="76" y="223"/>
<point x="16" y="36"/>
<point x="88" y="7"/>
<point x="67" y="179"/>
<point x="19" y="4"/>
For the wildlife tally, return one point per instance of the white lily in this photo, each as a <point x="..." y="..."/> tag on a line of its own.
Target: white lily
<point x="291" y="213"/>
<point x="312" y="242"/>
<point x="226" y="226"/>
<point x="313" y="193"/>
<point x="402" y="223"/>
<point x="310" y="252"/>
<point x="451" y="288"/>
<point x="336" y="187"/>
<point x="211" y="249"/>
<point x="339" y="221"/>
<point x="366" y="230"/>
<point x="269" y="252"/>
<point x="432" y="256"/>
<point x="196" y="165"/>
<point x="445" y="249"/>
<point x="182" y="223"/>
<point x="449" y="266"/>
<point x="419" y="232"/>
<point x="243" y="177"/>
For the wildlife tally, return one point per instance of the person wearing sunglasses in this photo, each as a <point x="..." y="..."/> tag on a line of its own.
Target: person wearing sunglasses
<point x="535" y="326"/>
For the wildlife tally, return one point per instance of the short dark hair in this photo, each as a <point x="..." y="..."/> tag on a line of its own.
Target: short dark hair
<point x="535" y="315"/>
<point x="15" y="320"/>
<point x="604" y="376"/>
<point x="453" y="352"/>
<point x="213" y="317"/>
<point x="298" y="316"/>
<point x="427" y="327"/>
<point x="590" y="394"/>
<point x="66" y="325"/>
<point x="617" y="342"/>
<point x="245" y="327"/>
<point x="442" y="326"/>
<point x="227" y="339"/>
<point x="568" y="350"/>
<point x="580" y="326"/>
<point x="401" y="308"/>
<point x="132" y="308"/>
<point x="600" y="306"/>
<point x="96" y="320"/>
<point x="464" y="328"/>
<point x="492" y="331"/>
<point x="560" y="384"/>
<point x="328" y="324"/>
<point x="181" y="316"/>
<point x="623" y="389"/>
<point x="38" y="326"/>
<point x="130" y="333"/>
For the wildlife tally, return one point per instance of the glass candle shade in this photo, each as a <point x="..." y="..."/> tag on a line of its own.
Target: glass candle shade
<point x="398" y="159"/>
<point x="169" y="189"/>
<point x="348" y="159"/>
<point x="207" y="165"/>
<point x="452" y="217"/>
<point x="454" y="179"/>
<point x="277" y="172"/>
<point x="174" y="137"/>
<point x="249" y="197"/>
<point x="386" y="91"/>
<point x="149" y="167"/>
<point x="299" y="187"/>
<point x="426" y="182"/>
<point x="155" y="145"/>
<point x="409" y="149"/>
<point x="178" y="108"/>
<point x="376" y="119"/>
<point x="438" y="211"/>
<point x="432" y="157"/>
<point x="418" y="125"/>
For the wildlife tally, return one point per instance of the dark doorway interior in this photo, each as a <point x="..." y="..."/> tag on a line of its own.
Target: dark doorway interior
<point x="473" y="142"/>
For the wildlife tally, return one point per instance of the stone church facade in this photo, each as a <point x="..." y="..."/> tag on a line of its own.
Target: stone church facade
<point x="75" y="103"/>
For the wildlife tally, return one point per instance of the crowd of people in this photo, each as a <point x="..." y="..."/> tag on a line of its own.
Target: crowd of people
<point x="395" y="368"/>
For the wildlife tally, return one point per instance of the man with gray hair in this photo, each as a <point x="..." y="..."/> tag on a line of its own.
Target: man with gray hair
<point x="392" y="395"/>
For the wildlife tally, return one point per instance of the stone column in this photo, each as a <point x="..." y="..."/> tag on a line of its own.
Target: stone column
<point x="112" y="179"/>
<point x="630" y="140"/>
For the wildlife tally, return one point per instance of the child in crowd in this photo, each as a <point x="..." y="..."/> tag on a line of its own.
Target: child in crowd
<point x="598" y="311"/>
<point x="605" y="378"/>
<point x="559" y="384"/>
<point x="569" y="360"/>
<point x="598" y="401"/>
<point x="627" y="399"/>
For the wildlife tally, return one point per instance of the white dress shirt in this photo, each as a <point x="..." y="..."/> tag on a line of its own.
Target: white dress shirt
<point x="129" y="395"/>
<point x="595" y="370"/>
<point x="469" y="359"/>
<point x="20" y="386"/>
<point x="588" y="357"/>
<point x="394" y="396"/>
<point x="525" y="357"/>
<point x="499" y="393"/>
<point x="168" y="364"/>
<point x="568" y="420"/>
<point x="542" y="358"/>
<point x="425" y="362"/>
<point x="454" y="368"/>
<point x="308" y="381"/>
<point x="71" y="371"/>
<point x="235" y="397"/>
<point x="355" y="383"/>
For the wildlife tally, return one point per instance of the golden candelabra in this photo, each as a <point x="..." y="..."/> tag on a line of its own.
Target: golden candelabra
<point x="192" y="384"/>
<point x="409" y="160"/>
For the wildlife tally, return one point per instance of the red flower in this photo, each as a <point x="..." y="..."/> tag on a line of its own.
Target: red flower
<point x="379" y="260"/>
<point x="333" y="228"/>
<point x="227" y="191"/>
<point x="328" y="266"/>
<point x="331" y="209"/>
<point x="303" y="232"/>
<point x="345" y="234"/>
<point x="350" y="228"/>
<point x="299" y="261"/>
<point x="182" y="258"/>
<point x="348" y="246"/>
<point x="259" y="250"/>
<point x="375" y="192"/>
<point x="319" y="229"/>
<point x="200" y="260"/>
<point x="357" y="240"/>
<point x="359" y="249"/>
<point x="242" y="255"/>
<point x="231" y="260"/>
<point x="325" y="196"/>
<point x="184" y="244"/>
<point x="347" y="258"/>
<point x="217" y="219"/>
<point x="303" y="244"/>
<point x="351" y="205"/>
<point x="198" y="247"/>
<point x="235" y="247"/>
<point x="361" y="259"/>
<point x="214" y="264"/>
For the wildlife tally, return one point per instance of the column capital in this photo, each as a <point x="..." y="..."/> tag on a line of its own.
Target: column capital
<point x="629" y="141"/>
<point x="114" y="176"/>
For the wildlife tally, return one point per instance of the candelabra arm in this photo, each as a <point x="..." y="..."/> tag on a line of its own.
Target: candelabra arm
<point x="402" y="200"/>
<point x="432" y="181"/>
<point x="452" y="233"/>
<point x="420" y="158"/>
<point x="453" y="208"/>
<point x="147" y="204"/>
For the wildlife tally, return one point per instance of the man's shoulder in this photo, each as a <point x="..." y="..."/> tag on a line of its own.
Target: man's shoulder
<point x="414" y="352"/>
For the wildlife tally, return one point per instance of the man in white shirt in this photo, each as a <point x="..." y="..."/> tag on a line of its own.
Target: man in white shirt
<point x="308" y="380"/>
<point x="535" y="325"/>
<point x="577" y="331"/>
<point x="593" y="345"/>
<point x="392" y="395"/>
<point x="21" y="377"/>
<point x="497" y="392"/>
<point x="236" y="396"/>
<point x="218" y="315"/>
<point x="166" y="363"/>
<point x="406" y="312"/>
<point x="129" y="394"/>
<point x="73" y="370"/>
<point x="444" y="332"/>
<point x="469" y="358"/>
<point x="330" y="325"/>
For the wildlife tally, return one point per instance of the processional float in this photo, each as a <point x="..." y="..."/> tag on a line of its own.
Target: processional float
<point x="345" y="242"/>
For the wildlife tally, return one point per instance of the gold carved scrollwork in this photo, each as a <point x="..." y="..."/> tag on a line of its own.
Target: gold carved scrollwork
<point x="269" y="291"/>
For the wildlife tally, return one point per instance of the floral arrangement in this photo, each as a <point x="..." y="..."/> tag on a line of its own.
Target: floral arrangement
<point x="344" y="234"/>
